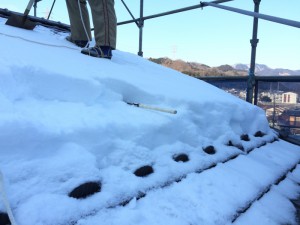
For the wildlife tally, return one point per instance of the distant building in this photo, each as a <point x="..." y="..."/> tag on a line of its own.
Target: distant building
<point x="290" y="117"/>
<point x="289" y="98"/>
<point x="278" y="111"/>
<point x="242" y="94"/>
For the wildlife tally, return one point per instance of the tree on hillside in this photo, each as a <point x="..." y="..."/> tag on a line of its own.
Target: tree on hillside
<point x="265" y="98"/>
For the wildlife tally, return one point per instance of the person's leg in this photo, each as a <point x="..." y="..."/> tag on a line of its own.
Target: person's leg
<point x="77" y="29"/>
<point x="105" y="22"/>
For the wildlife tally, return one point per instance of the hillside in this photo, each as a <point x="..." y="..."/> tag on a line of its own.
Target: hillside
<point x="199" y="70"/>
<point x="89" y="141"/>
<point x="264" y="70"/>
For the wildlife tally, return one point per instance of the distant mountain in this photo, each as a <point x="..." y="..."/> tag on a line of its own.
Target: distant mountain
<point x="263" y="70"/>
<point x="197" y="69"/>
<point x="241" y="67"/>
<point x="200" y="70"/>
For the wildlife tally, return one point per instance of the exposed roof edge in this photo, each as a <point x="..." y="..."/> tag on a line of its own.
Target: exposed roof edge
<point x="284" y="136"/>
<point x="290" y="140"/>
<point x="5" y="13"/>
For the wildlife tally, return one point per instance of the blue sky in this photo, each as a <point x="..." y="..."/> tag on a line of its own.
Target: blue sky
<point x="210" y="36"/>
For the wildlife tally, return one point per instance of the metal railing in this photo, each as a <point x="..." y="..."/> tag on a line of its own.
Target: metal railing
<point x="257" y="80"/>
<point x="272" y="88"/>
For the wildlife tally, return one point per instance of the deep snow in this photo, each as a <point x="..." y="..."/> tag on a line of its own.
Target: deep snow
<point x="64" y="121"/>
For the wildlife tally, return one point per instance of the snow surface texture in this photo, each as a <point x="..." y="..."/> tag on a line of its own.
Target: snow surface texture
<point x="64" y="121"/>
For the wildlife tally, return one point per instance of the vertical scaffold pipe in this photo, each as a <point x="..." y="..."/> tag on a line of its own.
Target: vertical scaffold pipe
<point x="253" y="41"/>
<point x="141" y="25"/>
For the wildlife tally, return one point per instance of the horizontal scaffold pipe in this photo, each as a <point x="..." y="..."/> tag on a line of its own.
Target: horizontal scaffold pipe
<point x="171" y="12"/>
<point x="295" y="78"/>
<point x="291" y="23"/>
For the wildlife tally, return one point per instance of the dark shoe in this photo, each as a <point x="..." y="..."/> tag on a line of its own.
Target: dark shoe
<point x="98" y="51"/>
<point x="80" y="44"/>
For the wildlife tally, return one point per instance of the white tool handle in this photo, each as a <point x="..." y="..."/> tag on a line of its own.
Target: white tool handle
<point x="5" y="201"/>
<point x="157" y="109"/>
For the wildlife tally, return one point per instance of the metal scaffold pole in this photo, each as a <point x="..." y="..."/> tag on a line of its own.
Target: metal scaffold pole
<point x="253" y="41"/>
<point x="51" y="9"/>
<point x="35" y="6"/>
<point x="141" y="25"/>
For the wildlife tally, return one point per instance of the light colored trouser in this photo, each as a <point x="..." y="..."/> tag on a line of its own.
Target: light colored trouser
<point x="104" y="20"/>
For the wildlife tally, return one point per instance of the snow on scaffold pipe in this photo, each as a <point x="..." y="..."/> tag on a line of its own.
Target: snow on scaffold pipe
<point x="172" y="111"/>
<point x="291" y="23"/>
<point x="5" y="201"/>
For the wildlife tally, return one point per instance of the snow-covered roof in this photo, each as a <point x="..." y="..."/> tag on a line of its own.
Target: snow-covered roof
<point x="65" y="122"/>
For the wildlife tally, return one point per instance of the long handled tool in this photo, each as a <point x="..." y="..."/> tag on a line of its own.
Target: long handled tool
<point x="5" y="201"/>
<point x="22" y="21"/>
<point x="172" y="111"/>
